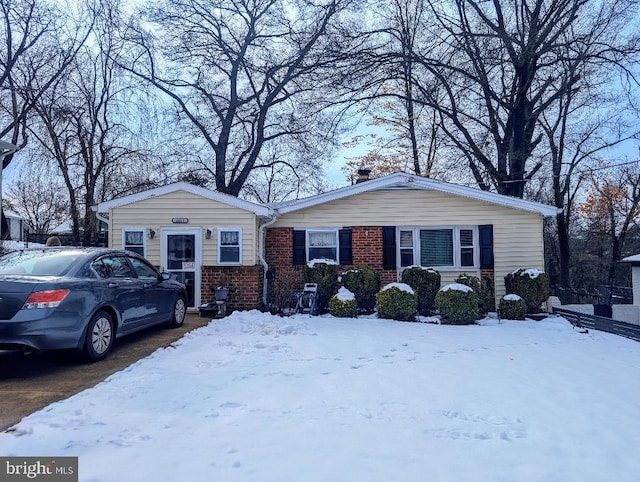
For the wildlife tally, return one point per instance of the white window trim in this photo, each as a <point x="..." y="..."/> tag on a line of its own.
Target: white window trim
<point x="335" y="231"/>
<point x="230" y="229"/>
<point x="457" y="261"/>
<point x="144" y="237"/>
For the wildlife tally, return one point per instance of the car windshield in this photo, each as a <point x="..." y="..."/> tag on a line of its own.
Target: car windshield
<point x="44" y="262"/>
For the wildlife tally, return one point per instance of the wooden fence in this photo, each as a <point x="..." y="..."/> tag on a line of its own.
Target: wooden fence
<point x="600" y="323"/>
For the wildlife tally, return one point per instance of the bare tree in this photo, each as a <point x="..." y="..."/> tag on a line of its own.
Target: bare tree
<point x="502" y="65"/>
<point x="37" y="194"/>
<point x="83" y="126"/>
<point x="243" y="73"/>
<point x="40" y="40"/>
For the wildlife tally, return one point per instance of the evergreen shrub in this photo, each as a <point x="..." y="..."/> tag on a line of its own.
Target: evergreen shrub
<point x="512" y="307"/>
<point x="343" y="304"/>
<point x="457" y="303"/>
<point x="364" y="283"/>
<point x="425" y="283"/>
<point x="396" y="301"/>
<point x="529" y="284"/>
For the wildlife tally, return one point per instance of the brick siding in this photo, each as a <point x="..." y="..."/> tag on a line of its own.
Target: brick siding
<point x="245" y="285"/>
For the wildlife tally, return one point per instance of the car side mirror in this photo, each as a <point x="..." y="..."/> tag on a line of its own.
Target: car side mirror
<point x="166" y="276"/>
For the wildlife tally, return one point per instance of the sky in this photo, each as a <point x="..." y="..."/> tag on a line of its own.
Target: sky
<point x="256" y="397"/>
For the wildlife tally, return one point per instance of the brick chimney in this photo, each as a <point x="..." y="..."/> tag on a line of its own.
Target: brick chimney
<point x="363" y="175"/>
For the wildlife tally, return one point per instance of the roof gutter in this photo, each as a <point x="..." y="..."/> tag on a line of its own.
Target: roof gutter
<point x="261" y="252"/>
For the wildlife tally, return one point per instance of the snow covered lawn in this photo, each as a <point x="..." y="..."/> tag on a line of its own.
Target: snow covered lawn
<point x="259" y="398"/>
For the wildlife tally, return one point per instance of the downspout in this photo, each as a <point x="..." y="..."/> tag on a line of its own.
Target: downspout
<point x="261" y="252"/>
<point x="104" y="220"/>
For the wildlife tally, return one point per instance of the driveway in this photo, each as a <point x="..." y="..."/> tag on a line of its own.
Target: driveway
<point x="33" y="381"/>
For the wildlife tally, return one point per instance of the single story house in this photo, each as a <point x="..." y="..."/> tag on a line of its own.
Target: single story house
<point x="210" y="239"/>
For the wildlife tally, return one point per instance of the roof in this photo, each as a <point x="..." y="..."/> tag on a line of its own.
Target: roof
<point x="403" y="181"/>
<point x="6" y="146"/>
<point x="634" y="260"/>
<point x="258" y="209"/>
<point x="11" y="214"/>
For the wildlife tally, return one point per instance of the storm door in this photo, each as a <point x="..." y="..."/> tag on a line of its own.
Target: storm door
<point x="182" y="257"/>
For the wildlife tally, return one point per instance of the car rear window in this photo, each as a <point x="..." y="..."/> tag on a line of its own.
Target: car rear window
<point x="38" y="263"/>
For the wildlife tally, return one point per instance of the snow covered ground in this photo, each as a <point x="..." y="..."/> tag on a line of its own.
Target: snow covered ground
<point x="259" y="398"/>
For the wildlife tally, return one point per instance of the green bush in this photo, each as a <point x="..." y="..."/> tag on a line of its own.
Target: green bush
<point x="529" y="284"/>
<point x="325" y="275"/>
<point x="396" y="301"/>
<point x="458" y="304"/>
<point x="512" y="307"/>
<point x="343" y="304"/>
<point x="425" y="283"/>
<point x="483" y="288"/>
<point x="364" y="283"/>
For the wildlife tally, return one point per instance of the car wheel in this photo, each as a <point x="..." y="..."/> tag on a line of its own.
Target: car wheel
<point x="179" y="312"/>
<point x="100" y="336"/>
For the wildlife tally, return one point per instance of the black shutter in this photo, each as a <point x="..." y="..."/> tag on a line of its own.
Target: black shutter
<point x="389" y="247"/>
<point x="344" y="243"/>
<point x="486" y="246"/>
<point x="299" y="247"/>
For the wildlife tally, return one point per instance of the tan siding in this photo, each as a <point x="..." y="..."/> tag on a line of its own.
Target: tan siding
<point x="518" y="241"/>
<point x="157" y="212"/>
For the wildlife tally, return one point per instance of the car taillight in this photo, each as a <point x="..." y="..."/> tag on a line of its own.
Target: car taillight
<point x="45" y="299"/>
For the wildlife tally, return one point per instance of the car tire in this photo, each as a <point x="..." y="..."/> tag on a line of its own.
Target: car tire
<point x="100" y="336"/>
<point x="179" y="312"/>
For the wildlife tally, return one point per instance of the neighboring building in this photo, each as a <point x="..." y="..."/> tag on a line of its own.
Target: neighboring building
<point x="17" y="226"/>
<point x="210" y="239"/>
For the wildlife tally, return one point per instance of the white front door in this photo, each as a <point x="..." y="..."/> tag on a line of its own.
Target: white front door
<point x="182" y="257"/>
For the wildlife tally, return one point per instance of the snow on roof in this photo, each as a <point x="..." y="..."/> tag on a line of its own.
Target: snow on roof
<point x="258" y="209"/>
<point x="635" y="259"/>
<point x="405" y="181"/>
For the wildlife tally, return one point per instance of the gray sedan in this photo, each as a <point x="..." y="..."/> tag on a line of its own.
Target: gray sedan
<point x="83" y="298"/>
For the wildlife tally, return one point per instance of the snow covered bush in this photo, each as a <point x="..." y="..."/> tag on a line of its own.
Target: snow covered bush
<point x="324" y="273"/>
<point x="483" y="288"/>
<point x="364" y="283"/>
<point x="512" y="307"/>
<point x="531" y="285"/>
<point x="396" y="301"/>
<point x="426" y="283"/>
<point x="457" y="303"/>
<point x="343" y="304"/>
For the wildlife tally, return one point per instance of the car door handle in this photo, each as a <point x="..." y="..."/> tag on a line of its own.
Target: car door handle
<point x="113" y="285"/>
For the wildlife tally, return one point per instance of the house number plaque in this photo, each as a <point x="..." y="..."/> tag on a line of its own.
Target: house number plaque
<point x="180" y="220"/>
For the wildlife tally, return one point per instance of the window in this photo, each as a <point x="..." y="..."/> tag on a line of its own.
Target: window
<point x="229" y="246"/>
<point x="143" y="270"/>
<point x="436" y="247"/>
<point x="112" y="267"/>
<point x="406" y="248"/>
<point x="133" y="240"/>
<point x="442" y="247"/>
<point x="322" y="244"/>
